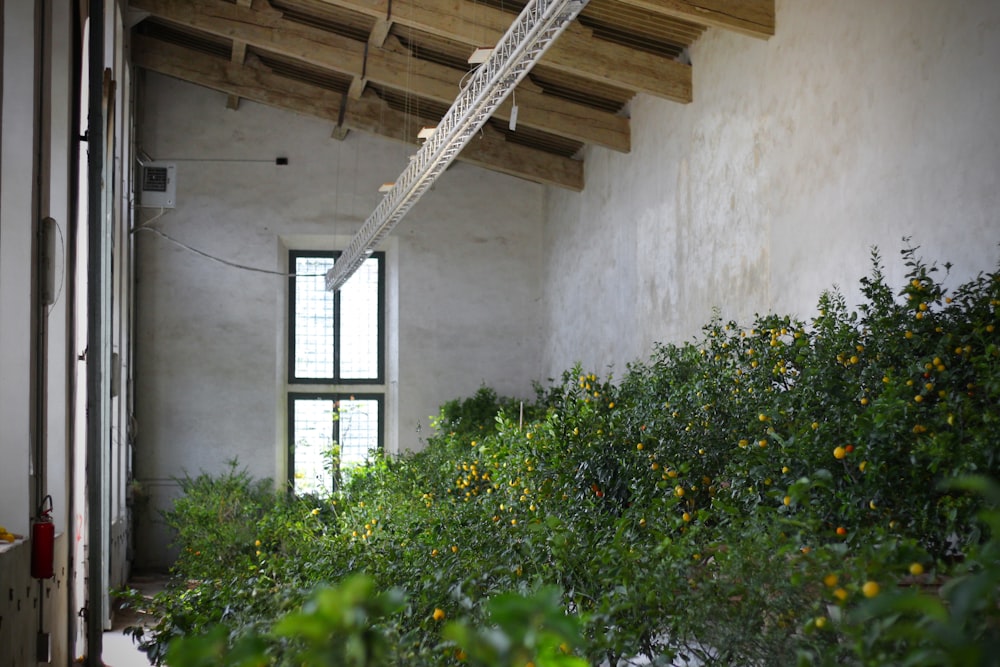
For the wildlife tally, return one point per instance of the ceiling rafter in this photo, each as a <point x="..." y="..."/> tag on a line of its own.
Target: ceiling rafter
<point x="539" y="24"/>
<point x="376" y="38"/>
<point x="749" y="17"/>
<point x="254" y="81"/>
<point x="239" y="54"/>
<point x="377" y="35"/>
<point x="390" y="65"/>
<point x="408" y="59"/>
<point x="577" y="52"/>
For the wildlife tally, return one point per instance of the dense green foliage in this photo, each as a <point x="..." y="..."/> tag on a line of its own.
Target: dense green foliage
<point x="770" y="494"/>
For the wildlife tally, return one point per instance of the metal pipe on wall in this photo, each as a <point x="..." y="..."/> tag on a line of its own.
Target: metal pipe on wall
<point x="79" y="59"/>
<point x="42" y="264"/>
<point x="96" y="333"/>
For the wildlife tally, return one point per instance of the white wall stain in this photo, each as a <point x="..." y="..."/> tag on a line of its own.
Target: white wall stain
<point x="210" y="363"/>
<point x="858" y="123"/>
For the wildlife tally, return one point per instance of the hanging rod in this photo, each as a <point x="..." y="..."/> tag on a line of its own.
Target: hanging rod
<point x="538" y="25"/>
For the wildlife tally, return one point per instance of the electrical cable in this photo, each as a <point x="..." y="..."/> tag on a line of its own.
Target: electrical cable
<point x="216" y="159"/>
<point x="336" y="190"/>
<point x="163" y="212"/>
<point x="357" y="176"/>
<point x="226" y="262"/>
<point x="62" y="272"/>
<point x="407" y="110"/>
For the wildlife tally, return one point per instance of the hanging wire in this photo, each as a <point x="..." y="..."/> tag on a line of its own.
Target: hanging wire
<point x="62" y="272"/>
<point x="163" y="212"/>
<point x="406" y="87"/>
<point x="477" y="20"/>
<point x="336" y="189"/>
<point x="220" y="260"/>
<point x="357" y="175"/>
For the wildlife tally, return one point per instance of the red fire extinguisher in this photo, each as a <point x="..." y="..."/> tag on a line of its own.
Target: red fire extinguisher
<point x="43" y="535"/>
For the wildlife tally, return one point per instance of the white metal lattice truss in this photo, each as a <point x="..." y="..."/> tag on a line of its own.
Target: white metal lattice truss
<point x="518" y="50"/>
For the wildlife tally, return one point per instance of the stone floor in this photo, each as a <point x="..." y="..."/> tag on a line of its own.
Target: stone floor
<point x="119" y="649"/>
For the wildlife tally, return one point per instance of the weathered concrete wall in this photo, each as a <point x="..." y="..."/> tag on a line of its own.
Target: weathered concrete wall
<point x="35" y="143"/>
<point x="464" y="274"/>
<point x="857" y="124"/>
<point x="23" y="597"/>
<point x="18" y="605"/>
<point x="17" y="232"/>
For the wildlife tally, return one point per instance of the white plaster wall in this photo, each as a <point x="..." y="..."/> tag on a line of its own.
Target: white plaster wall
<point x="17" y="229"/>
<point x="469" y="293"/>
<point x="858" y="123"/>
<point x="27" y="605"/>
<point x="210" y="338"/>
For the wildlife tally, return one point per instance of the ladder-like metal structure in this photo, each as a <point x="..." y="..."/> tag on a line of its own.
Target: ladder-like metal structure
<point x="538" y="25"/>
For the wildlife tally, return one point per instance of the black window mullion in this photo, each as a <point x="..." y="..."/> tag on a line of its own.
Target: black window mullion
<point x="381" y="317"/>
<point x="337" y="398"/>
<point x="379" y="378"/>
<point x="334" y="387"/>
<point x="294" y="255"/>
<point x="336" y="335"/>
<point x="290" y="430"/>
<point x="290" y="370"/>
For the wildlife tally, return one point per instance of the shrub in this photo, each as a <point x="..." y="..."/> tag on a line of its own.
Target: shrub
<point x="733" y="500"/>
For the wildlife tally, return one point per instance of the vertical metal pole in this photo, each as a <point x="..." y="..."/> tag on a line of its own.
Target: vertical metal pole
<point x="43" y="83"/>
<point x="79" y="59"/>
<point x="96" y="305"/>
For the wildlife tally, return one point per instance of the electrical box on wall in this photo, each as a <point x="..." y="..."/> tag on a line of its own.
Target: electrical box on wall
<point x="158" y="188"/>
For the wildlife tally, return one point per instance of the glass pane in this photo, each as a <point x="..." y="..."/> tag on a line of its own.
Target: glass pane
<point x="359" y="426"/>
<point x="359" y="323"/>
<point x="313" y="439"/>
<point x="313" y="319"/>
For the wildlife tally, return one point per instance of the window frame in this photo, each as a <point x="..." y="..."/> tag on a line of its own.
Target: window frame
<point x="336" y="378"/>
<point x="336" y="397"/>
<point x="334" y="388"/>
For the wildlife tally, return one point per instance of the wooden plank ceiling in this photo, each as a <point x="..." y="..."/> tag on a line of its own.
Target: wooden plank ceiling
<point x="392" y="67"/>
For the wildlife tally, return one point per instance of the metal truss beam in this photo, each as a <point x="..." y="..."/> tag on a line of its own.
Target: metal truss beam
<point x="538" y="25"/>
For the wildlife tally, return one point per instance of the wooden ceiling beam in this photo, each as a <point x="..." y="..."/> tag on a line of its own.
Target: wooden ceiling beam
<point x="748" y="17"/>
<point x="239" y="55"/>
<point x="576" y="52"/>
<point x="254" y="81"/>
<point x="376" y="38"/>
<point x="266" y="28"/>
<point x="379" y="32"/>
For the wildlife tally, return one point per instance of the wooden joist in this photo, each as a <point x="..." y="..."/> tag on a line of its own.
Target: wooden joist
<point x="239" y="54"/>
<point x="749" y="17"/>
<point x="253" y="81"/>
<point x="376" y="38"/>
<point x="576" y="52"/>
<point x="264" y="27"/>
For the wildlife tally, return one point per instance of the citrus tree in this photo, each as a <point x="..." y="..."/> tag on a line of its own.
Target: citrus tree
<point x="770" y="493"/>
